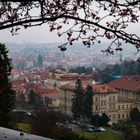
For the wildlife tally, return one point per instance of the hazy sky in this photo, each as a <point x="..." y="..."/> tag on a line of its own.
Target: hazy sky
<point x="42" y="34"/>
<point x="39" y="34"/>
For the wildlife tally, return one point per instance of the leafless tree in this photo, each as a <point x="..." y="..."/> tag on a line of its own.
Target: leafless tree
<point x="87" y="20"/>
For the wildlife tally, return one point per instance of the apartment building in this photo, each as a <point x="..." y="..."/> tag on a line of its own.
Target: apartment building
<point x="128" y="88"/>
<point x="116" y="99"/>
<point x="105" y="99"/>
<point x="66" y="95"/>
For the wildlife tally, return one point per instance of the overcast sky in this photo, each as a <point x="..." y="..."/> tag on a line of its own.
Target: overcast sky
<point x="39" y="34"/>
<point x="42" y="34"/>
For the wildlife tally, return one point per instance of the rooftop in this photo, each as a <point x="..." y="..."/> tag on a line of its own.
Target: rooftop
<point x="100" y="88"/>
<point x="97" y="88"/>
<point x="130" y="83"/>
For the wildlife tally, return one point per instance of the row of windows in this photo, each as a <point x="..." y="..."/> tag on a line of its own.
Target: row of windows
<point x="96" y="107"/>
<point x="111" y="98"/>
<point x="123" y="116"/>
<point x="120" y="116"/>
<point x="103" y="103"/>
<point x="129" y="96"/>
<point x="96" y="99"/>
<point x="103" y="95"/>
<point x="112" y="106"/>
<point x="125" y="106"/>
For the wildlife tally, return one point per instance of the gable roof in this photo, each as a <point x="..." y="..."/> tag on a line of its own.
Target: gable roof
<point x="97" y="88"/>
<point x="74" y="76"/>
<point x="100" y="88"/>
<point x="130" y="83"/>
<point x="43" y="90"/>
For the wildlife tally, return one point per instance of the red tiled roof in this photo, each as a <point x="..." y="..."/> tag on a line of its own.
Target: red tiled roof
<point x="74" y="76"/>
<point x="98" y="88"/>
<point x="18" y="82"/>
<point x="130" y="83"/>
<point x="32" y="86"/>
<point x="42" y="90"/>
<point x="15" y="71"/>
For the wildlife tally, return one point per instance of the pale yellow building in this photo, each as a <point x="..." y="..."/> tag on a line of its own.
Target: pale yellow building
<point x="128" y="88"/>
<point x="105" y="99"/>
<point x="110" y="99"/>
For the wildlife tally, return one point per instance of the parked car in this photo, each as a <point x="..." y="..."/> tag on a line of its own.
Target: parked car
<point x="90" y="129"/>
<point x="99" y="129"/>
<point x="58" y="124"/>
<point x="75" y="122"/>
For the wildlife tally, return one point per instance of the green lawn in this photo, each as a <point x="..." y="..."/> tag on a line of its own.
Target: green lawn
<point x="107" y="135"/>
<point x="25" y="127"/>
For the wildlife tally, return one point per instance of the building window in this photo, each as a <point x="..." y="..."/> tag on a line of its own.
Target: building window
<point x="122" y="106"/>
<point x="127" y="116"/>
<point x="102" y="102"/>
<point x="127" y="106"/>
<point x="96" y="107"/>
<point x="119" y="107"/>
<point x="113" y="98"/>
<point x="119" y="116"/>
<point x="113" y="106"/>
<point x="122" y="116"/>
<point x="113" y="116"/>
<point x="110" y="106"/>
<point x="96" y="99"/>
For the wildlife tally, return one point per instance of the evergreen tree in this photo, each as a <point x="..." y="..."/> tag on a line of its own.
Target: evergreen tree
<point x="88" y="102"/>
<point x="35" y="99"/>
<point x="135" y="115"/>
<point x="78" y="101"/>
<point x="40" y="61"/>
<point x="21" y="100"/>
<point x="7" y="94"/>
<point x="104" y="119"/>
<point x="32" y="98"/>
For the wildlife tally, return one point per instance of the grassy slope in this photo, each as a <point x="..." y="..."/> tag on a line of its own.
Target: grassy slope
<point x="107" y="135"/>
<point x="25" y="127"/>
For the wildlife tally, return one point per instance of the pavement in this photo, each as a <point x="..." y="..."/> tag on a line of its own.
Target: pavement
<point x="9" y="134"/>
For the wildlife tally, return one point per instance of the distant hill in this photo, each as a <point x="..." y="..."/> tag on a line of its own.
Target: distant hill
<point x="128" y="51"/>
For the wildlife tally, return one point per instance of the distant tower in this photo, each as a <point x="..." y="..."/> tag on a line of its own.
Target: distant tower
<point x="40" y="61"/>
<point x="120" y="59"/>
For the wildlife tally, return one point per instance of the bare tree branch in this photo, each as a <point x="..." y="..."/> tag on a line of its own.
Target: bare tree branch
<point x="86" y="20"/>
